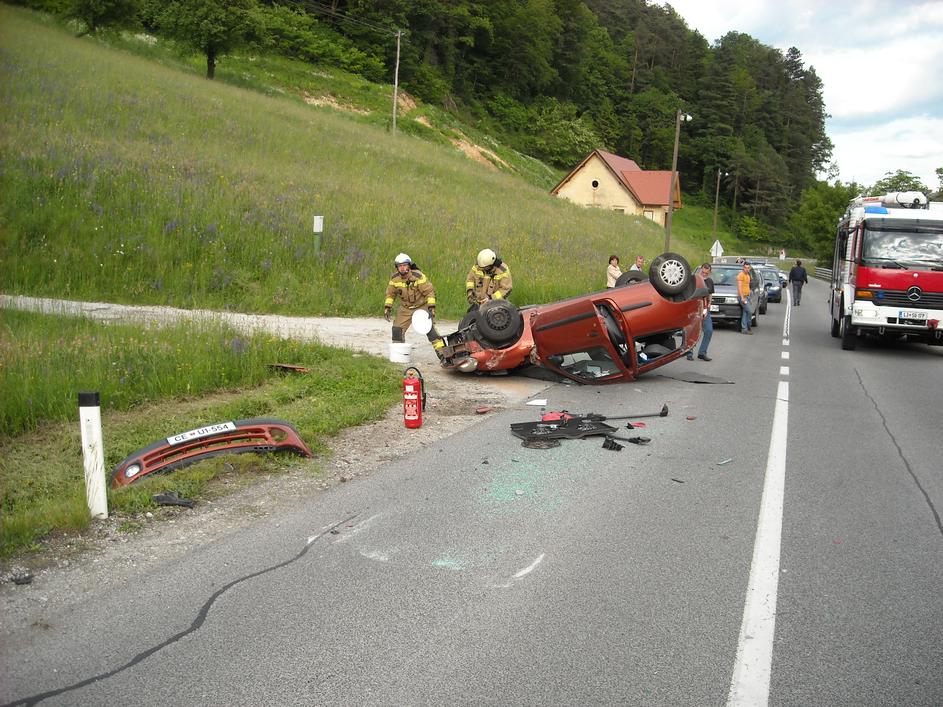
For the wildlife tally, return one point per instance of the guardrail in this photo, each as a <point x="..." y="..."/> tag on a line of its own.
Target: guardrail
<point x="823" y="273"/>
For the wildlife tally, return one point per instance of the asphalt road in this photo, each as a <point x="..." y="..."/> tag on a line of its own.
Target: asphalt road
<point x="477" y="571"/>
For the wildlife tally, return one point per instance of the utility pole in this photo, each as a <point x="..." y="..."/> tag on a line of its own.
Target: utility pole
<point x="399" y="33"/>
<point x="717" y="202"/>
<point x="674" y="177"/>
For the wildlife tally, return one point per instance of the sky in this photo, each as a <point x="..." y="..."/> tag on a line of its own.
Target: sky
<point x="881" y="66"/>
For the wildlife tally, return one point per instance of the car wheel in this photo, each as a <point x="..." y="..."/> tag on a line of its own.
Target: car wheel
<point x="670" y="274"/>
<point x="836" y="328"/>
<point x="499" y="321"/>
<point x="630" y="276"/>
<point x="849" y="339"/>
<point x="763" y="309"/>
<point x="754" y="320"/>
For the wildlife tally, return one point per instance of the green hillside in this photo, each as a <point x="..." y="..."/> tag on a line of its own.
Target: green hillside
<point x="130" y="180"/>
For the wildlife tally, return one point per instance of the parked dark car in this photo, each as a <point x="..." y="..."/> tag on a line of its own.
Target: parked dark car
<point x="772" y="284"/>
<point x="725" y="305"/>
<point x="605" y="337"/>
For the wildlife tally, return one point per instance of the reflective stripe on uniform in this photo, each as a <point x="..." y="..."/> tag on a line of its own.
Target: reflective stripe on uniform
<point x="430" y="301"/>
<point x="388" y="302"/>
<point x="498" y="295"/>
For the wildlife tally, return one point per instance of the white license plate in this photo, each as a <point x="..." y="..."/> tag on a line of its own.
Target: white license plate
<point x="201" y="432"/>
<point x="904" y="314"/>
<point x="715" y="308"/>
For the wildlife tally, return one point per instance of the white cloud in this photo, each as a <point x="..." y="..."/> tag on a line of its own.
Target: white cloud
<point x="915" y="145"/>
<point x="879" y="62"/>
<point x="880" y="80"/>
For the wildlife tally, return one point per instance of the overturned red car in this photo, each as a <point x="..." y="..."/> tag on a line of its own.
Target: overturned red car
<point x="604" y="337"/>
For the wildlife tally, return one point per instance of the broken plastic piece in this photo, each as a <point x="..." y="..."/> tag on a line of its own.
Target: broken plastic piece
<point x="289" y="367"/>
<point x="609" y="443"/>
<point x="170" y="498"/>
<point x="540" y="443"/>
<point x="482" y="410"/>
<point x="633" y="440"/>
<point x="540" y="402"/>
<point x="568" y="428"/>
<point x="725" y="461"/>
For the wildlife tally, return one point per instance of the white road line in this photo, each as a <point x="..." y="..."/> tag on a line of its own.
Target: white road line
<point x="784" y="370"/>
<point x="785" y="354"/>
<point x="530" y="568"/>
<point x="785" y="342"/>
<point x="751" y="673"/>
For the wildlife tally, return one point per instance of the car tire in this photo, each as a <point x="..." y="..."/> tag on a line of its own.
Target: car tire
<point x="499" y="321"/>
<point x="836" y="328"/>
<point x="630" y="276"/>
<point x="670" y="274"/>
<point x="849" y="339"/>
<point x="763" y="308"/>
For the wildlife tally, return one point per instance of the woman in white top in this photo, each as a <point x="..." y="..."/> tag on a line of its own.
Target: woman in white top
<point x="613" y="271"/>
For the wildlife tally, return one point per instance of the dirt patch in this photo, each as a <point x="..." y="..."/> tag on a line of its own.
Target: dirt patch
<point x="404" y="102"/>
<point x="116" y="549"/>
<point x="423" y="120"/>
<point x="330" y="102"/>
<point x="479" y="154"/>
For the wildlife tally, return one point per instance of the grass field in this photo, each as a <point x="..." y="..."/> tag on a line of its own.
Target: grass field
<point x="132" y="181"/>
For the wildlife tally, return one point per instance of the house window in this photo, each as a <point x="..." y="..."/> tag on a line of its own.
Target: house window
<point x="619" y="209"/>
<point x="650" y="215"/>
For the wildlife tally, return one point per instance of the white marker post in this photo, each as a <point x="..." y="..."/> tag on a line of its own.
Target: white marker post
<point x="318" y="228"/>
<point x="93" y="453"/>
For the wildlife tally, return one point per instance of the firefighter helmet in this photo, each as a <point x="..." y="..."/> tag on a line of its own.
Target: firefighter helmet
<point x="402" y="258"/>
<point x="486" y="258"/>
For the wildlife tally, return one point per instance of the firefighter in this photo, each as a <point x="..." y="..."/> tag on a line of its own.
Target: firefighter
<point x="415" y="292"/>
<point x="489" y="278"/>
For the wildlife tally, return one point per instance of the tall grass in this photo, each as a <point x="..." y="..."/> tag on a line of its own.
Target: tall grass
<point x="45" y="360"/>
<point x="135" y="182"/>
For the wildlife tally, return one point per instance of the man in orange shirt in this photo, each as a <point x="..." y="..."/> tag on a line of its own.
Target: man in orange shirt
<point x="744" y="282"/>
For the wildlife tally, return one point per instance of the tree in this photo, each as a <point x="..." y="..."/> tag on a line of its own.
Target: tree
<point x="212" y="27"/>
<point x="812" y="224"/>
<point x="96" y="14"/>
<point x="901" y="180"/>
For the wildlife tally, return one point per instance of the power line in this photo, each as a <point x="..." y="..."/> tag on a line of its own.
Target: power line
<point x="325" y="10"/>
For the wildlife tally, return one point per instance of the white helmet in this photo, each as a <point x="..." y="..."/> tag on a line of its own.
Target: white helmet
<point x="402" y="258"/>
<point x="486" y="258"/>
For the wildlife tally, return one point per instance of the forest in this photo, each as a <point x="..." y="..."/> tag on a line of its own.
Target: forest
<point x="556" y="79"/>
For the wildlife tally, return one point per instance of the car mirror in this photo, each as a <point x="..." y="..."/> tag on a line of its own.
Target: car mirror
<point x="422" y="322"/>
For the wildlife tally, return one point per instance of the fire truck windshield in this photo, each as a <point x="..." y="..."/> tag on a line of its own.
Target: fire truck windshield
<point x="903" y="244"/>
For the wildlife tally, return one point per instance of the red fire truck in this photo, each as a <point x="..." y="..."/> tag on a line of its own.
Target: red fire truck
<point x="887" y="270"/>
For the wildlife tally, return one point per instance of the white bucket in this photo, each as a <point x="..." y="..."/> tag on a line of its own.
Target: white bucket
<point x="399" y="352"/>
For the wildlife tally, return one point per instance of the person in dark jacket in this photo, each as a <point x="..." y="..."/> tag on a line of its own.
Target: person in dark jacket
<point x="707" y="327"/>
<point x="798" y="278"/>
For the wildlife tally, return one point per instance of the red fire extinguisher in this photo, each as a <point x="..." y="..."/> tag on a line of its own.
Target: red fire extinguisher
<point x="414" y="397"/>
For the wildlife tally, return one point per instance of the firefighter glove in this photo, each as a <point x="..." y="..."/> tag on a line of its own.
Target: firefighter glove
<point x="431" y="312"/>
<point x="386" y="314"/>
<point x="470" y="295"/>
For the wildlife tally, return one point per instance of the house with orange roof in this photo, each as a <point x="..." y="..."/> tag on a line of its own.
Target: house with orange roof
<point x="606" y="181"/>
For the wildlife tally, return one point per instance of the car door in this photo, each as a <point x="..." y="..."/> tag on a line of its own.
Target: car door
<point x="584" y="340"/>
